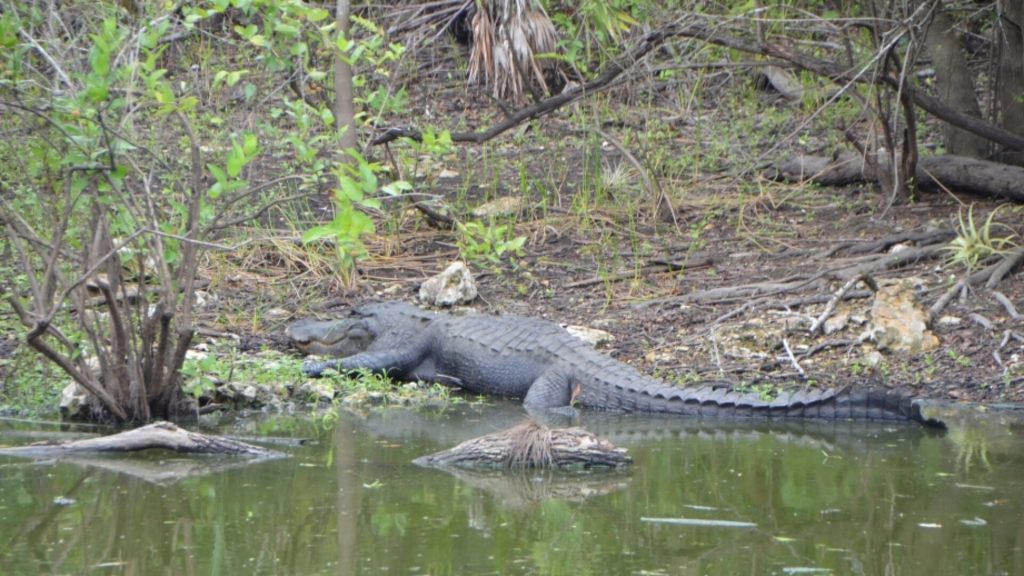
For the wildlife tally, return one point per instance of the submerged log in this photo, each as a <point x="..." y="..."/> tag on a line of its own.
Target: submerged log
<point x="157" y="435"/>
<point x="530" y="445"/>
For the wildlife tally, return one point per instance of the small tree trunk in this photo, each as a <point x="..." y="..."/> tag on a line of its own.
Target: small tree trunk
<point x="344" y="106"/>
<point x="955" y="85"/>
<point x="1010" y="82"/>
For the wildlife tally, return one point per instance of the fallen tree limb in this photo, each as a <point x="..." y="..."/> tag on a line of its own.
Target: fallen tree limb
<point x="162" y="435"/>
<point x="830" y="307"/>
<point x="530" y="445"/>
<point x="763" y="289"/>
<point x="957" y="173"/>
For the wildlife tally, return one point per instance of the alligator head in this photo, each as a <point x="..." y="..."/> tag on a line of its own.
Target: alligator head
<point x="330" y="337"/>
<point x="371" y="326"/>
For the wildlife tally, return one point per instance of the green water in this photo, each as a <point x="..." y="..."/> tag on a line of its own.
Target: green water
<point x="841" y="499"/>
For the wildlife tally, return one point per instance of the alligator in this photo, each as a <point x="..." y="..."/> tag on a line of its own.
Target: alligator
<point x="552" y="370"/>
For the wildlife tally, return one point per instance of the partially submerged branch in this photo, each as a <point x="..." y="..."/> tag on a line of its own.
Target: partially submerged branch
<point x="530" y="445"/>
<point x="159" y="435"/>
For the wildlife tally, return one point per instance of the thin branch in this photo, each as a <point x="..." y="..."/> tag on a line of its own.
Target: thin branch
<point x="840" y="295"/>
<point x="46" y="56"/>
<point x="548" y="105"/>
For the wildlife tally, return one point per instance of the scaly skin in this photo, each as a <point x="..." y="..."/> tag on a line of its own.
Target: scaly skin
<point x="550" y="369"/>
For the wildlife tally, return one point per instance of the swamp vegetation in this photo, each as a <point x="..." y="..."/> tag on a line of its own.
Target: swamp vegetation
<point x="728" y="190"/>
<point x="174" y="173"/>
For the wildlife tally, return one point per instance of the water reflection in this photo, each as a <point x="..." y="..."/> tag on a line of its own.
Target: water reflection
<point x="840" y="498"/>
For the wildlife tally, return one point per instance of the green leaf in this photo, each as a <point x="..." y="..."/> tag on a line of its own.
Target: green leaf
<point x="368" y="178"/>
<point x="217" y="173"/>
<point x="396" y="188"/>
<point x="246" y="32"/>
<point x="235" y="160"/>
<point x="288" y="30"/>
<point x="250" y="145"/>
<point x="318" y="232"/>
<point x="370" y="203"/>
<point x="349" y="191"/>
<point x="317" y="15"/>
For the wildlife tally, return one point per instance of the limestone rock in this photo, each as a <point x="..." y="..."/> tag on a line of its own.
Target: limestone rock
<point x="591" y="336"/>
<point x="836" y="323"/>
<point x="74" y="401"/>
<point x="504" y="206"/>
<point x="453" y="286"/>
<point x="315" y="392"/>
<point x="899" y="322"/>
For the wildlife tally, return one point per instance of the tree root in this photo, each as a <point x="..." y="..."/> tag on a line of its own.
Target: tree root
<point x="991" y="275"/>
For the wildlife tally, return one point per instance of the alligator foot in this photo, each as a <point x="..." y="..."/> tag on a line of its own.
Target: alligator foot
<point x="317" y="369"/>
<point x="560" y="417"/>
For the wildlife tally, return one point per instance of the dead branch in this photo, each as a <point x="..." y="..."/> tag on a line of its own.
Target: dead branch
<point x="831" y="306"/>
<point x="920" y="238"/>
<point x="981" y="321"/>
<point x="159" y="435"/>
<point x="762" y="289"/>
<point x="889" y="261"/>
<point x="1004" y="266"/>
<point x="657" y="266"/>
<point x="821" y="346"/>
<point x="981" y="275"/>
<point x="647" y="43"/>
<point x="792" y="359"/>
<point x="943" y="172"/>
<point x="530" y="445"/>
<point x="1011" y="310"/>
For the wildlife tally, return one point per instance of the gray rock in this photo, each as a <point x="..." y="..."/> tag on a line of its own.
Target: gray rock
<point x="315" y="392"/>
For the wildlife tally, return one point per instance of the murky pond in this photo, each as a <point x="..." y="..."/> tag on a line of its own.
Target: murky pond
<point x="701" y="498"/>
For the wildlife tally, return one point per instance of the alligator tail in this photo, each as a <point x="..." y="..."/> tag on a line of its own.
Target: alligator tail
<point x="719" y="400"/>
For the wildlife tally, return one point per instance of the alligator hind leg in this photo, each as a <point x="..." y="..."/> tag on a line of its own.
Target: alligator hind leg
<point x="551" y="393"/>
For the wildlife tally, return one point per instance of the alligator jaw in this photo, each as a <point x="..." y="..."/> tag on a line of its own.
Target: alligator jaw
<point x="329" y="337"/>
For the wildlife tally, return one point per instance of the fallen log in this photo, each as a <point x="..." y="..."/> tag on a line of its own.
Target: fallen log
<point x="530" y="445"/>
<point x="163" y="435"/>
<point x="957" y="173"/>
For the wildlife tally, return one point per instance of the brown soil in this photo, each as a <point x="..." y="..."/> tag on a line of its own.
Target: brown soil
<point x="598" y="267"/>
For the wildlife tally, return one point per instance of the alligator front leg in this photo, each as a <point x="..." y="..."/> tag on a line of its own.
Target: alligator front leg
<point x="398" y="363"/>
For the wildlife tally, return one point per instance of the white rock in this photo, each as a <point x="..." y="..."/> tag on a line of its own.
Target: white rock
<point x="836" y="322"/>
<point x="591" y="336"/>
<point x="72" y="399"/>
<point x="504" y="206"/>
<point x="453" y="286"/>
